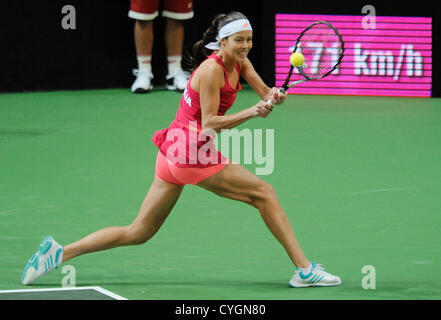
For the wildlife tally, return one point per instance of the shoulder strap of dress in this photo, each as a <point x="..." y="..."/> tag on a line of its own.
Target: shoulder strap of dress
<point x="238" y="68"/>
<point x="219" y="61"/>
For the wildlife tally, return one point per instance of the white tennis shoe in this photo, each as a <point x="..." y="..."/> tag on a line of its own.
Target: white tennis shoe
<point x="143" y="82"/>
<point x="48" y="257"/>
<point x="318" y="277"/>
<point x="177" y="81"/>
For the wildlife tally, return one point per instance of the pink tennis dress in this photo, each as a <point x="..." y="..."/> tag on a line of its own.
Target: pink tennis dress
<point x="183" y="147"/>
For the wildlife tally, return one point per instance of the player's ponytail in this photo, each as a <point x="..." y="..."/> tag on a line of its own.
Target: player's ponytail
<point x="200" y="52"/>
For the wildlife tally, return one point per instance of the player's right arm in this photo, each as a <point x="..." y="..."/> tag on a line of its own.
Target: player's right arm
<point x="255" y="81"/>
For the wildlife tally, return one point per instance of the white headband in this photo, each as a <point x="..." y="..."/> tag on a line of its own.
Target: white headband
<point x="229" y="29"/>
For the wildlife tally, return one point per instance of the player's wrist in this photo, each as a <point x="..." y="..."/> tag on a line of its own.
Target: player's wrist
<point x="268" y="94"/>
<point x="252" y="112"/>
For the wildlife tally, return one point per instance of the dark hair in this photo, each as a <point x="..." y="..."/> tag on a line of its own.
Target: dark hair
<point x="200" y="53"/>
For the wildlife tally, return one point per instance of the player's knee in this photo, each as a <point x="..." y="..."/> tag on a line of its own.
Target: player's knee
<point x="136" y="235"/>
<point x="263" y="194"/>
<point x="140" y="239"/>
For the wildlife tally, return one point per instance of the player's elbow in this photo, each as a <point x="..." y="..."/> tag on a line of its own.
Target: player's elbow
<point x="205" y="123"/>
<point x="209" y="123"/>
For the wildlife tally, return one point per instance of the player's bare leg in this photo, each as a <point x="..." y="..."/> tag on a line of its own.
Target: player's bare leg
<point x="237" y="183"/>
<point x="156" y="207"/>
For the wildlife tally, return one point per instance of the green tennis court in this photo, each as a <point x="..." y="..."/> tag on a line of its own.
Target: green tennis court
<point x="359" y="178"/>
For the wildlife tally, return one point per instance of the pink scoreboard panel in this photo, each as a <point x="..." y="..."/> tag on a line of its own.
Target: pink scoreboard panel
<point x="393" y="59"/>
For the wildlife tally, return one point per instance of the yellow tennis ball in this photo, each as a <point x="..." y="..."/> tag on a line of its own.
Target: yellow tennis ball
<point x="297" y="59"/>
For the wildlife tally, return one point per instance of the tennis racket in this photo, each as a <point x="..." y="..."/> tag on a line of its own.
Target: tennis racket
<point x="322" y="46"/>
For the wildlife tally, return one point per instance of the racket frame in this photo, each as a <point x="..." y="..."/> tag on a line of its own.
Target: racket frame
<point x="286" y="85"/>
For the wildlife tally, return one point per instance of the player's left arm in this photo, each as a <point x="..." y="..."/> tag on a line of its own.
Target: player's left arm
<point x="248" y="72"/>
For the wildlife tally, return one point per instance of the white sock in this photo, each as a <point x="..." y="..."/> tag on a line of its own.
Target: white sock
<point x="174" y="64"/>
<point x="144" y="63"/>
<point x="306" y="271"/>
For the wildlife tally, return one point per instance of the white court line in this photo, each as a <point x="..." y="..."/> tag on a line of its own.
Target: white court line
<point x="96" y="288"/>
<point x="109" y="293"/>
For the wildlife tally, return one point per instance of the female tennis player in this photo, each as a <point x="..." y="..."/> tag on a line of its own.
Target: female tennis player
<point x="220" y="59"/>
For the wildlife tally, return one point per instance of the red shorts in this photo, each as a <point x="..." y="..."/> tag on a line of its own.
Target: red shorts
<point x="167" y="171"/>
<point x="148" y="9"/>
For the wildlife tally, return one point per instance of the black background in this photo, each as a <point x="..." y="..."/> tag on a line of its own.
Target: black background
<point x="38" y="54"/>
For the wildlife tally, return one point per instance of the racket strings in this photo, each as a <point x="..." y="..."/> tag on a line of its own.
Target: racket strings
<point x="322" y="48"/>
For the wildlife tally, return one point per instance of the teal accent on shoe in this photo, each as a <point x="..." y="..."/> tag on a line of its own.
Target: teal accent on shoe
<point x="302" y="276"/>
<point x="57" y="257"/>
<point x="45" y="245"/>
<point x="33" y="262"/>
<point x="314" y="278"/>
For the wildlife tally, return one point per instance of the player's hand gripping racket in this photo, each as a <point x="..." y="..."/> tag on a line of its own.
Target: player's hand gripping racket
<point x="322" y="46"/>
